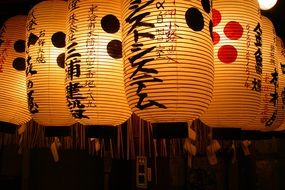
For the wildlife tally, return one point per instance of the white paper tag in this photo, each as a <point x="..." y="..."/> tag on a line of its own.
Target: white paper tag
<point x="54" y="152"/>
<point x="189" y="147"/>
<point x="212" y="158"/>
<point x="244" y="145"/>
<point x="191" y="134"/>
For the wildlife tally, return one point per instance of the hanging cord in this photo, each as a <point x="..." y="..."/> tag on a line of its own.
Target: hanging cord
<point x="155" y="155"/>
<point x="131" y="154"/>
<point x="129" y="140"/>
<point x="234" y="145"/>
<point x="119" y="131"/>
<point x="245" y="147"/>
<point x="21" y="130"/>
<point x="102" y="148"/>
<point x="212" y="148"/>
<point x="111" y="148"/>
<point x="164" y="147"/>
<point x="188" y="146"/>
<point x="97" y="146"/>
<point x="129" y="128"/>
<point x="149" y="139"/>
<point x="81" y="141"/>
<point x="34" y="134"/>
<point x="120" y="145"/>
<point x="140" y="138"/>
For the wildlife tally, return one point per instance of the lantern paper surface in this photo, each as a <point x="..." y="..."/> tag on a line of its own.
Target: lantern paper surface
<point x="94" y="73"/>
<point x="238" y="64"/>
<point x="13" y="91"/>
<point x="265" y="120"/>
<point x="168" y="58"/>
<point x="45" y="64"/>
<point x="281" y="101"/>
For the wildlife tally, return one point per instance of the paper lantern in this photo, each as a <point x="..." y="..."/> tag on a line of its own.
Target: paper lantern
<point x="13" y="91"/>
<point x="267" y="4"/>
<point x="94" y="73"/>
<point x="238" y="64"/>
<point x="266" y="117"/>
<point x="281" y="99"/>
<point x="168" y="59"/>
<point x="45" y="64"/>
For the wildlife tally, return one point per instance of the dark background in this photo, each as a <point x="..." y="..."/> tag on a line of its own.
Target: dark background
<point x="10" y="8"/>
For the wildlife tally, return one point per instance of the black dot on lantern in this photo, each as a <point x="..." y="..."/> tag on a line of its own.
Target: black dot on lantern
<point x="114" y="49"/>
<point x="60" y="60"/>
<point x="110" y="24"/>
<point x="211" y="29"/>
<point x="194" y="19"/>
<point x="206" y="5"/>
<point x="19" y="46"/>
<point x="19" y="64"/>
<point x="58" y="39"/>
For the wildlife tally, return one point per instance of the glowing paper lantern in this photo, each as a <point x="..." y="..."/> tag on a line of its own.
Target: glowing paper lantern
<point x="281" y="99"/>
<point x="238" y="64"/>
<point x="266" y="4"/>
<point x="94" y="80"/>
<point x="13" y="91"/>
<point x="45" y="64"/>
<point x="266" y="117"/>
<point x="168" y="59"/>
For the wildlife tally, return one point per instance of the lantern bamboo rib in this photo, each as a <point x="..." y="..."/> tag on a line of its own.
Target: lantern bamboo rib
<point x="13" y="91"/>
<point x="234" y="103"/>
<point x="101" y="72"/>
<point x="46" y="87"/>
<point x="183" y="62"/>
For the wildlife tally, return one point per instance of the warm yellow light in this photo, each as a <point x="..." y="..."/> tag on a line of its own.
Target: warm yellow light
<point x="13" y="91"/>
<point x="266" y="118"/>
<point x="45" y="64"/>
<point x="281" y="103"/>
<point x="267" y="4"/>
<point x="94" y="72"/>
<point x="168" y="58"/>
<point x="238" y="64"/>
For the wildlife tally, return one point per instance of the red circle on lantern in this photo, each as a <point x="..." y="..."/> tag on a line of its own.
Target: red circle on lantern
<point x="227" y="54"/>
<point x="216" y="38"/>
<point x="233" y="30"/>
<point x="216" y="17"/>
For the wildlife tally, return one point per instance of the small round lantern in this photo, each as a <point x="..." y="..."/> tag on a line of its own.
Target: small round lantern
<point x="168" y="59"/>
<point x="266" y="118"/>
<point x="238" y="64"/>
<point x="267" y="4"/>
<point x="94" y="67"/>
<point x="13" y="91"/>
<point x="45" y="64"/>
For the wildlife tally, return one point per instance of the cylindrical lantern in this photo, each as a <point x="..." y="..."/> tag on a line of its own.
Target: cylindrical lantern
<point x="238" y="64"/>
<point x="265" y="119"/>
<point x="45" y="64"/>
<point x="94" y="67"/>
<point x="281" y="99"/>
<point x="168" y="58"/>
<point x="13" y="91"/>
